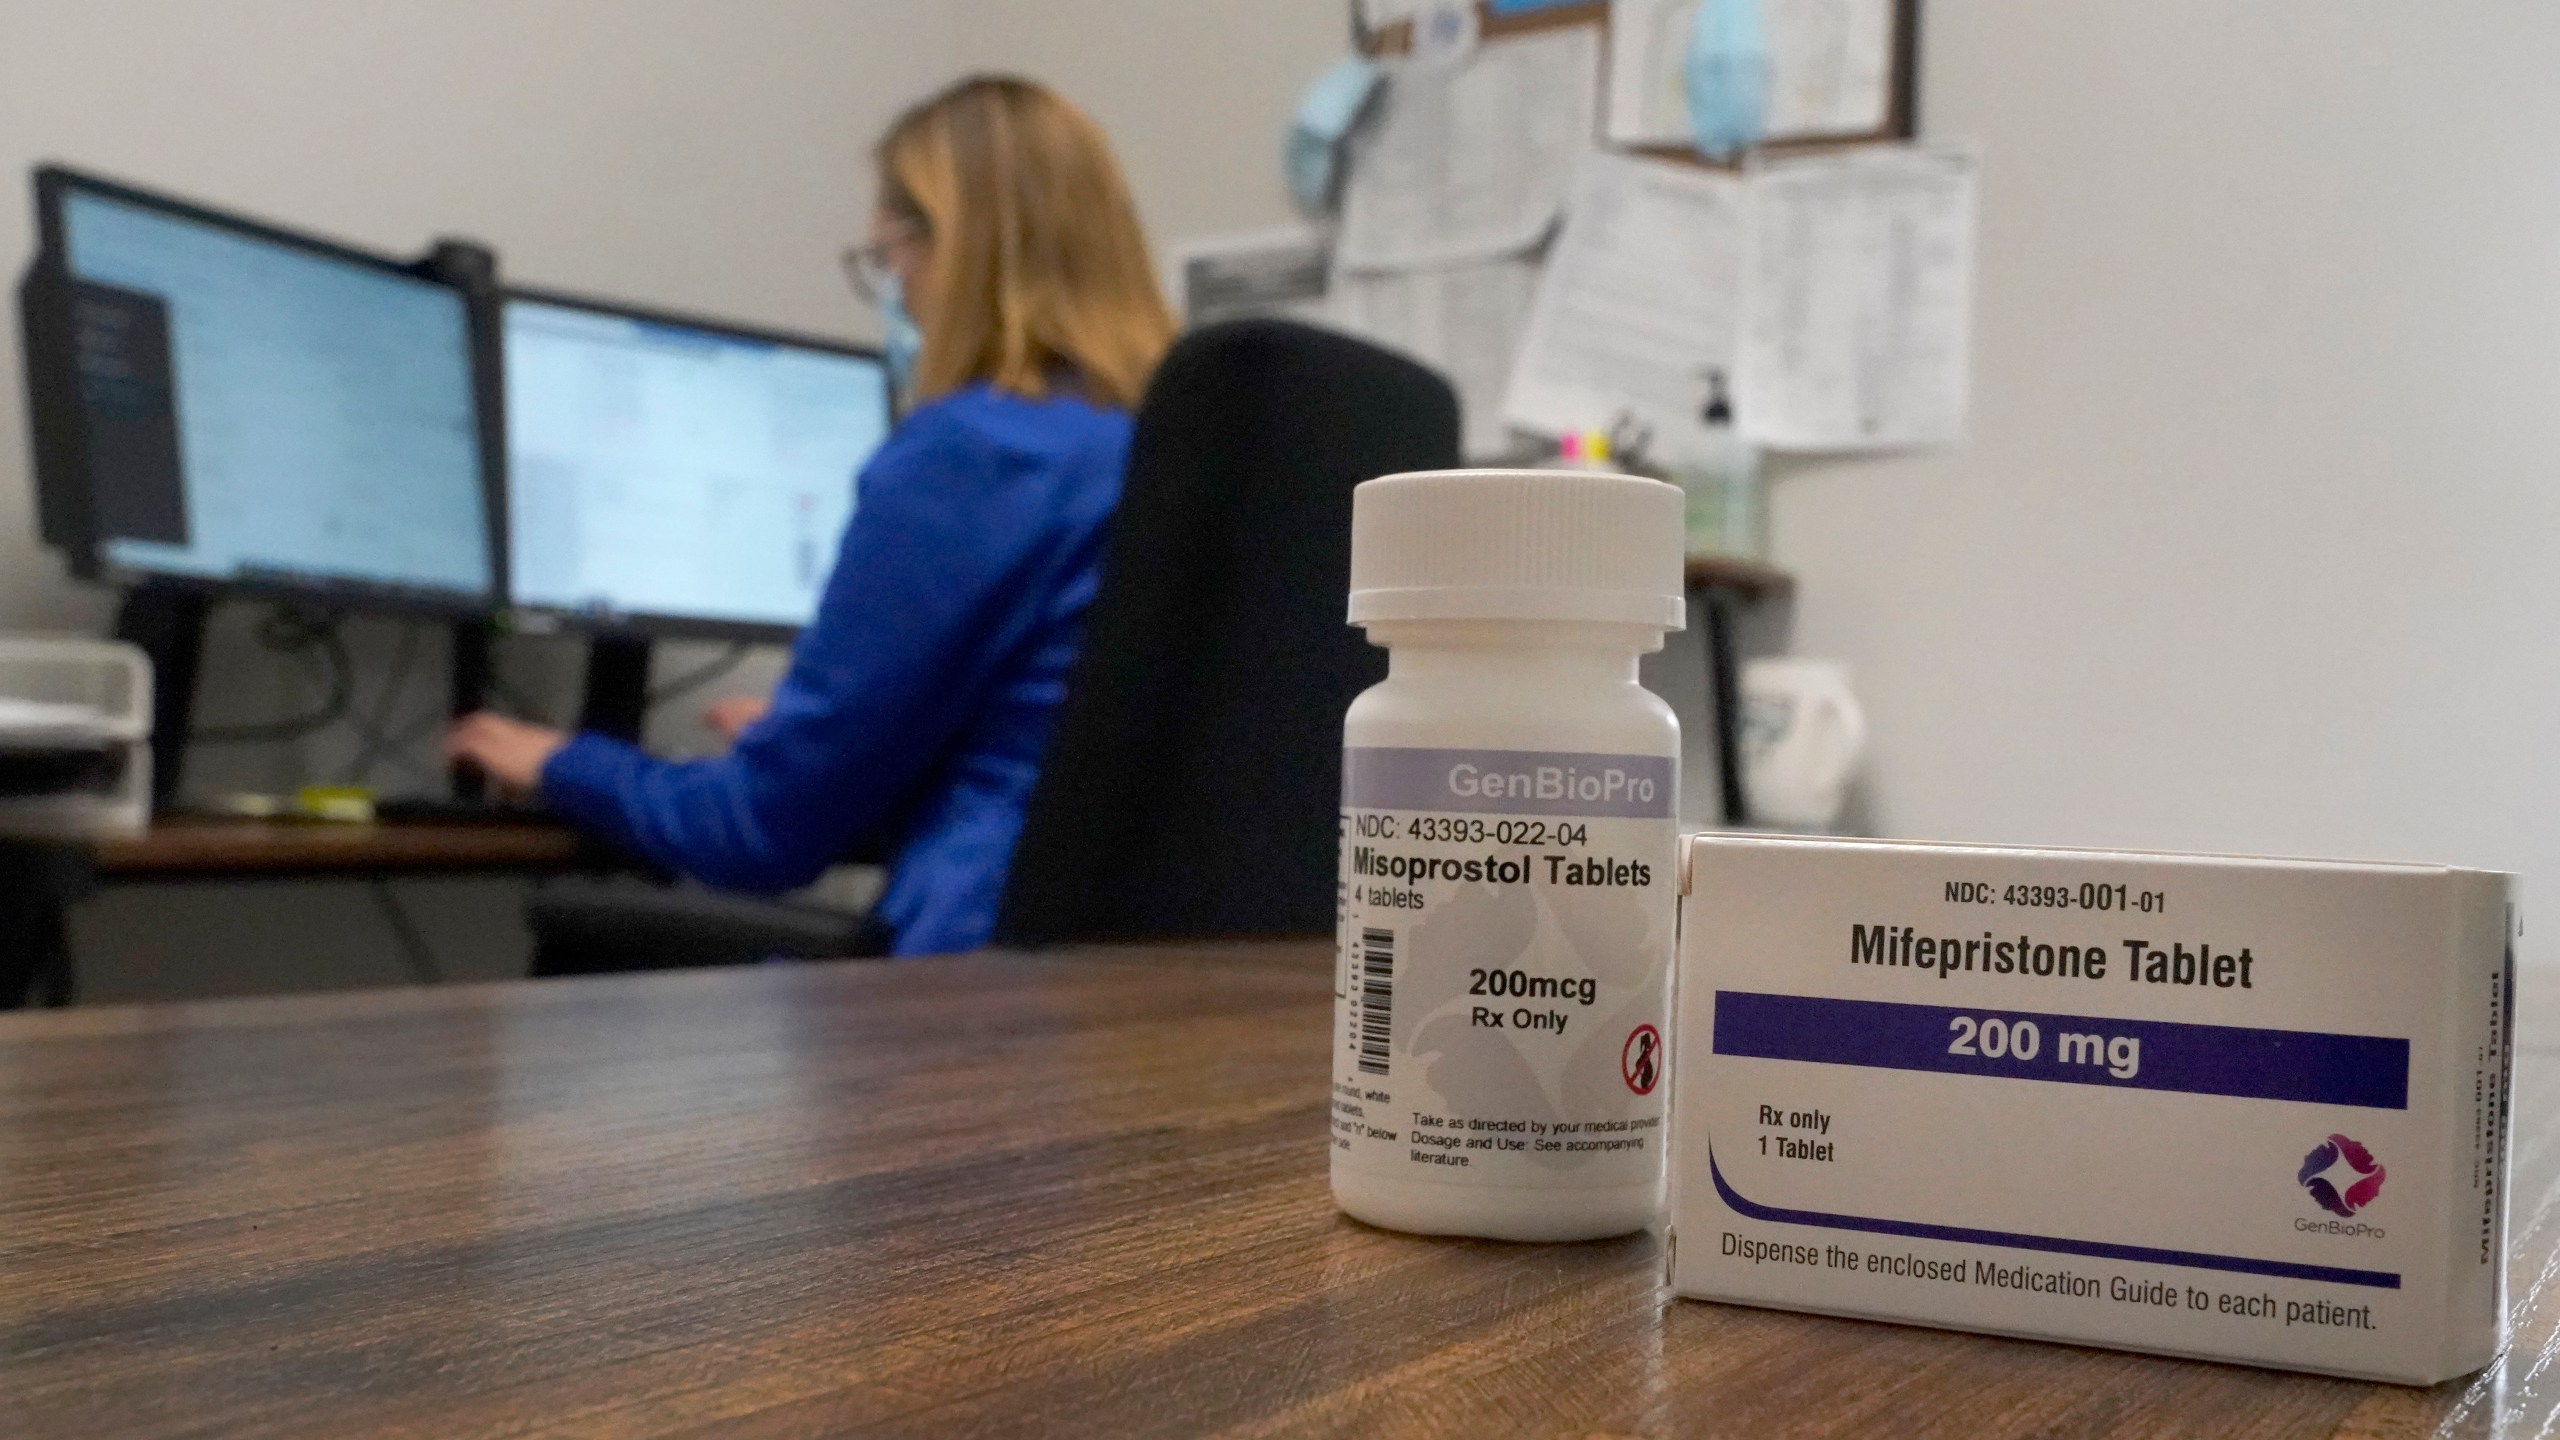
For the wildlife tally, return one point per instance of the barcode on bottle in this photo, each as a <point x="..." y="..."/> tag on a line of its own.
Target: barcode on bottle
<point x="1377" y="997"/>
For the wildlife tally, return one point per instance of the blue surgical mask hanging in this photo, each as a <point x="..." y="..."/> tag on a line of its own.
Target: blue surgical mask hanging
<point x="1326" y="111"/>
<point x="1728" y="77"/>
<point x="901" y="343"/>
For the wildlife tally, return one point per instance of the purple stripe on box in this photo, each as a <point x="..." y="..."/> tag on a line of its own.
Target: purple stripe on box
<point x="2363" y="1070"/>
<point x="2094" y="1249"/>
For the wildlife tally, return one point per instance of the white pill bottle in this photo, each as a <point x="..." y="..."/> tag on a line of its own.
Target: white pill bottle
<point x="1508" y="874"/>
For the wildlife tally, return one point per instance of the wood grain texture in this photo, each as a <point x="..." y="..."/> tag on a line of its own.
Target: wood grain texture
<point x="1074" y="1195"/>
<point x="209" y="848"/>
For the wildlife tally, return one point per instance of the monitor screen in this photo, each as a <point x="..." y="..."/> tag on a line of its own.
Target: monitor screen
<point x="261" y="410"/>
<point x="663" y="472"/>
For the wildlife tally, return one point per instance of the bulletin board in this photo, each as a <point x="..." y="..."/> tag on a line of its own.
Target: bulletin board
<point x="1810" y="292"/>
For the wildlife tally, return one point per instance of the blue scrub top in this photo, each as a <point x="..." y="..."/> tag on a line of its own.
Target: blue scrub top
<point x="922" y="694"/>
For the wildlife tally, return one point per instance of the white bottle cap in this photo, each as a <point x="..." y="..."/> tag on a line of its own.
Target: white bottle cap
<point x="1517" y="545"/>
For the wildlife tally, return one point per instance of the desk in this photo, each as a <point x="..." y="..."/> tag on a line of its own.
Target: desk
<point x="205" y="849"/>
<point x="38" y="882"/>
<point x="1077" y="1195"/>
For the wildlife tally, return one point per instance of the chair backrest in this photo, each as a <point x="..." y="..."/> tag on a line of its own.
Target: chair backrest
<point x="1193" y="786"/>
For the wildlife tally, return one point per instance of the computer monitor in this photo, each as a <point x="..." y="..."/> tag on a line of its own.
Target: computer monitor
<point x="677" y="476"/>
<point x="224" y="403"/>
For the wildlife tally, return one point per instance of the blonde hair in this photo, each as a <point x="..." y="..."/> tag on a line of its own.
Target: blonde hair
<point x="1039" y="272"/>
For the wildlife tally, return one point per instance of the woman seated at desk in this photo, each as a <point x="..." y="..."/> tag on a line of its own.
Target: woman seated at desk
<point x="918" y="701"/>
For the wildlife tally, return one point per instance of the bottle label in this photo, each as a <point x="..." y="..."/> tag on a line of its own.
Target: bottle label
<point x="1502" y="986"/>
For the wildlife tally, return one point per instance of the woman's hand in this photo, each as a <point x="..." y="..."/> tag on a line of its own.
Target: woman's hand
<point x="735" y="714"/>
<point x="510" y="752"/>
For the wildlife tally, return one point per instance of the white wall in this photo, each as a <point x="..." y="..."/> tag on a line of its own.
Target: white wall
<point x="2247" y="550"/>
<point x="700" y="156"/>
<point x="708" y="156"/>
<point x="696" y="156"/>
<point x="2251" y="547"/>
<point x="1196" y="94"/>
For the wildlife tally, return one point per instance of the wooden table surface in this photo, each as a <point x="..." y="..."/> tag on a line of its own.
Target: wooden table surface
<point x="1075" y="1195"/>
<point x="206" y="848"/>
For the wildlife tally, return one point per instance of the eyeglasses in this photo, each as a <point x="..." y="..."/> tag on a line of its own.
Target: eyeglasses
<point x="867" y="269"/>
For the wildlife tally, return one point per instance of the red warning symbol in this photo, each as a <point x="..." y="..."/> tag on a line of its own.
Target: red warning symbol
<point x="1641" y="1061"/>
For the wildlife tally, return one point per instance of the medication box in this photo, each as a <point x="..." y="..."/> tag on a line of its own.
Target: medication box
<point x="2238" y="1109"/>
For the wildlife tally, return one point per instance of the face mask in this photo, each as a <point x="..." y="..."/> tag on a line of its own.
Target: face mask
<point x="1326" y="113"/>
<point x="1727" y="77"/>
<point x="1444" y="34"/>
<point x="901" y="343"/>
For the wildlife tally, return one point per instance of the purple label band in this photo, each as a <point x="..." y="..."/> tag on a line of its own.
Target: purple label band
<point x="1510" y="782"/>
<point x="2365" y="1070"/>
<point x="2051" y="1244"/>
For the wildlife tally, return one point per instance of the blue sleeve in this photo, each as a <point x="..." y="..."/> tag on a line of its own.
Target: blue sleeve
<point x="947" y="564"/>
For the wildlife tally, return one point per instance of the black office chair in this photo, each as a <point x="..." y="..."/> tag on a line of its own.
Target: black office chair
<point x="598" y="927"/>
<point x="1192" y="788"/>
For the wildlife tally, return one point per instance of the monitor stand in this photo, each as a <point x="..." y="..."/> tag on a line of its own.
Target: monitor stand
<point x="617" y="699"/>
<point x="470" y="692"/>
<point x="167" y="624"/>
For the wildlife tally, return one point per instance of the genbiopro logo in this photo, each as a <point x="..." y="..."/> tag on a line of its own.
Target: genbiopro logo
<point x="2341" y="1175"/>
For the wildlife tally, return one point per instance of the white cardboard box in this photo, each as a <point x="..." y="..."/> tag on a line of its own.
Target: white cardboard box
<point x="2240" y="1109"/>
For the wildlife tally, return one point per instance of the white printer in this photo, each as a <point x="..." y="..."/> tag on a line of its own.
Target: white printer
<point x="75" y="738"/>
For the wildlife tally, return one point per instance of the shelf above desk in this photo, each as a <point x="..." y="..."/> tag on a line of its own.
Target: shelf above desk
<point x="1748" y="578"/>
<point x="1725" y="583"/>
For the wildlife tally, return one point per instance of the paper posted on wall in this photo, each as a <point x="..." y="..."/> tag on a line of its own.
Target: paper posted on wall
<point x="1648" y="48"/>
<point x="1464" y="320"/>
<point x="1830" y="68"/>
<point x="1638" y="312"/>
<point x="1285" y="273"/>
<point x="1472" y="162"/>
<point x="1858" y="300"/>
